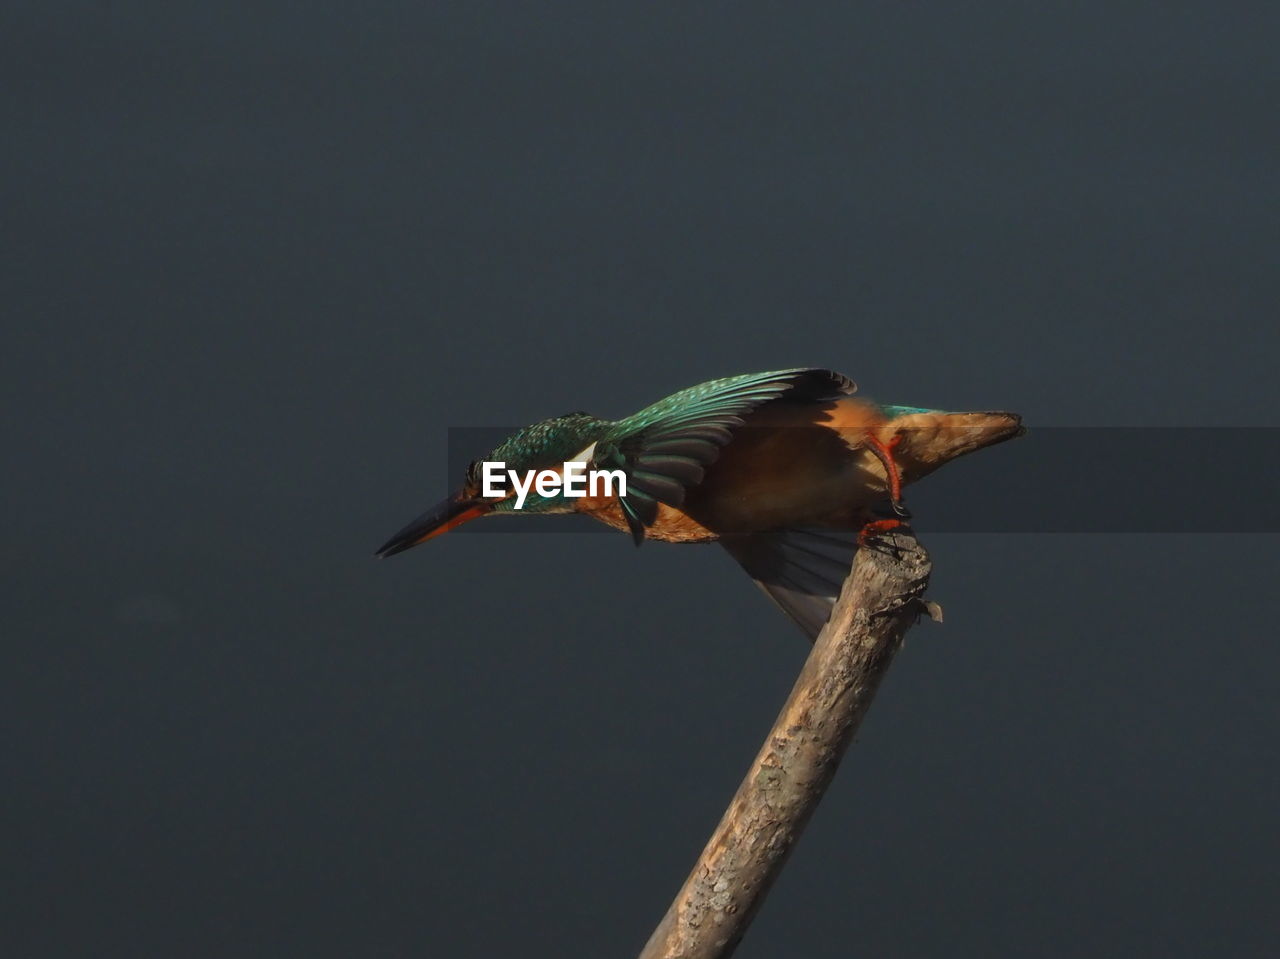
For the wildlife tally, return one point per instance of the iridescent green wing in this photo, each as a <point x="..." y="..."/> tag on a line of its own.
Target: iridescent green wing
<point x="664" y="449"/>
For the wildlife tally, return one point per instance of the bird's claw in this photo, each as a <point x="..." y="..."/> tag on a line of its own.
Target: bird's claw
<point x="872" y="536"/>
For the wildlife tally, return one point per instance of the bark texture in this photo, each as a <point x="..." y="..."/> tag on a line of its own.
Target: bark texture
<point x="882" y="597"/>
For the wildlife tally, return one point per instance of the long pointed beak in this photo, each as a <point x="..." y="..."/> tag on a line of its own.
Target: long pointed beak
<point x="441" y="518"/>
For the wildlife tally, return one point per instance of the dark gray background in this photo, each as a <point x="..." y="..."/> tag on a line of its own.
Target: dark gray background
<point x="260" y="256"/>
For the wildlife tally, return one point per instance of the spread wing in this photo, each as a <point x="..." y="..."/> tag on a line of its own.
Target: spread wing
<point x="801" y="570"/>
<point x="665" y="448"/>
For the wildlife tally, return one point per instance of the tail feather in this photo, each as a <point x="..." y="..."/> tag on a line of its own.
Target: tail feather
<point x="801" y="569"/>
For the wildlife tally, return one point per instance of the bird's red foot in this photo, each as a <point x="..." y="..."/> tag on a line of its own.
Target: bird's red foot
<point x="877" y="527"/>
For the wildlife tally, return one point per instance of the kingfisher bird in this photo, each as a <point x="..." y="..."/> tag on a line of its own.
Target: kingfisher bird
<point x="788" y="470"/>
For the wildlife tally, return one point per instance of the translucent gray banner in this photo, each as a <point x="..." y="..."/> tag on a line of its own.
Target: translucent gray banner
<point x="1053" y="480"/>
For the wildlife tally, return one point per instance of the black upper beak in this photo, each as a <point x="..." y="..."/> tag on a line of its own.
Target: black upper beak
<point x="441" y="518"/>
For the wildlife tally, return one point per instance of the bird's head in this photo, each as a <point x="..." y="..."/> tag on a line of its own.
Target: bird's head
<point x="547" y="445"/>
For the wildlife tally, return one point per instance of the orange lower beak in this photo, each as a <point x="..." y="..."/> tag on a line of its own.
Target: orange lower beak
<point x="450" y="514"/>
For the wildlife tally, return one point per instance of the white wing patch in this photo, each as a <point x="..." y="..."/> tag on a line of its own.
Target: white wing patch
<point x="583" y="455"/>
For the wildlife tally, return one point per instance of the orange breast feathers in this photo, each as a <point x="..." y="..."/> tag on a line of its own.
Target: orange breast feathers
<point x="671" y="526"/>
<point x="793" y="464"/>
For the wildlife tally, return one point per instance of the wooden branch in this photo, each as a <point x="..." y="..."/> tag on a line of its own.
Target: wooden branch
<point x="882" y="597"/>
